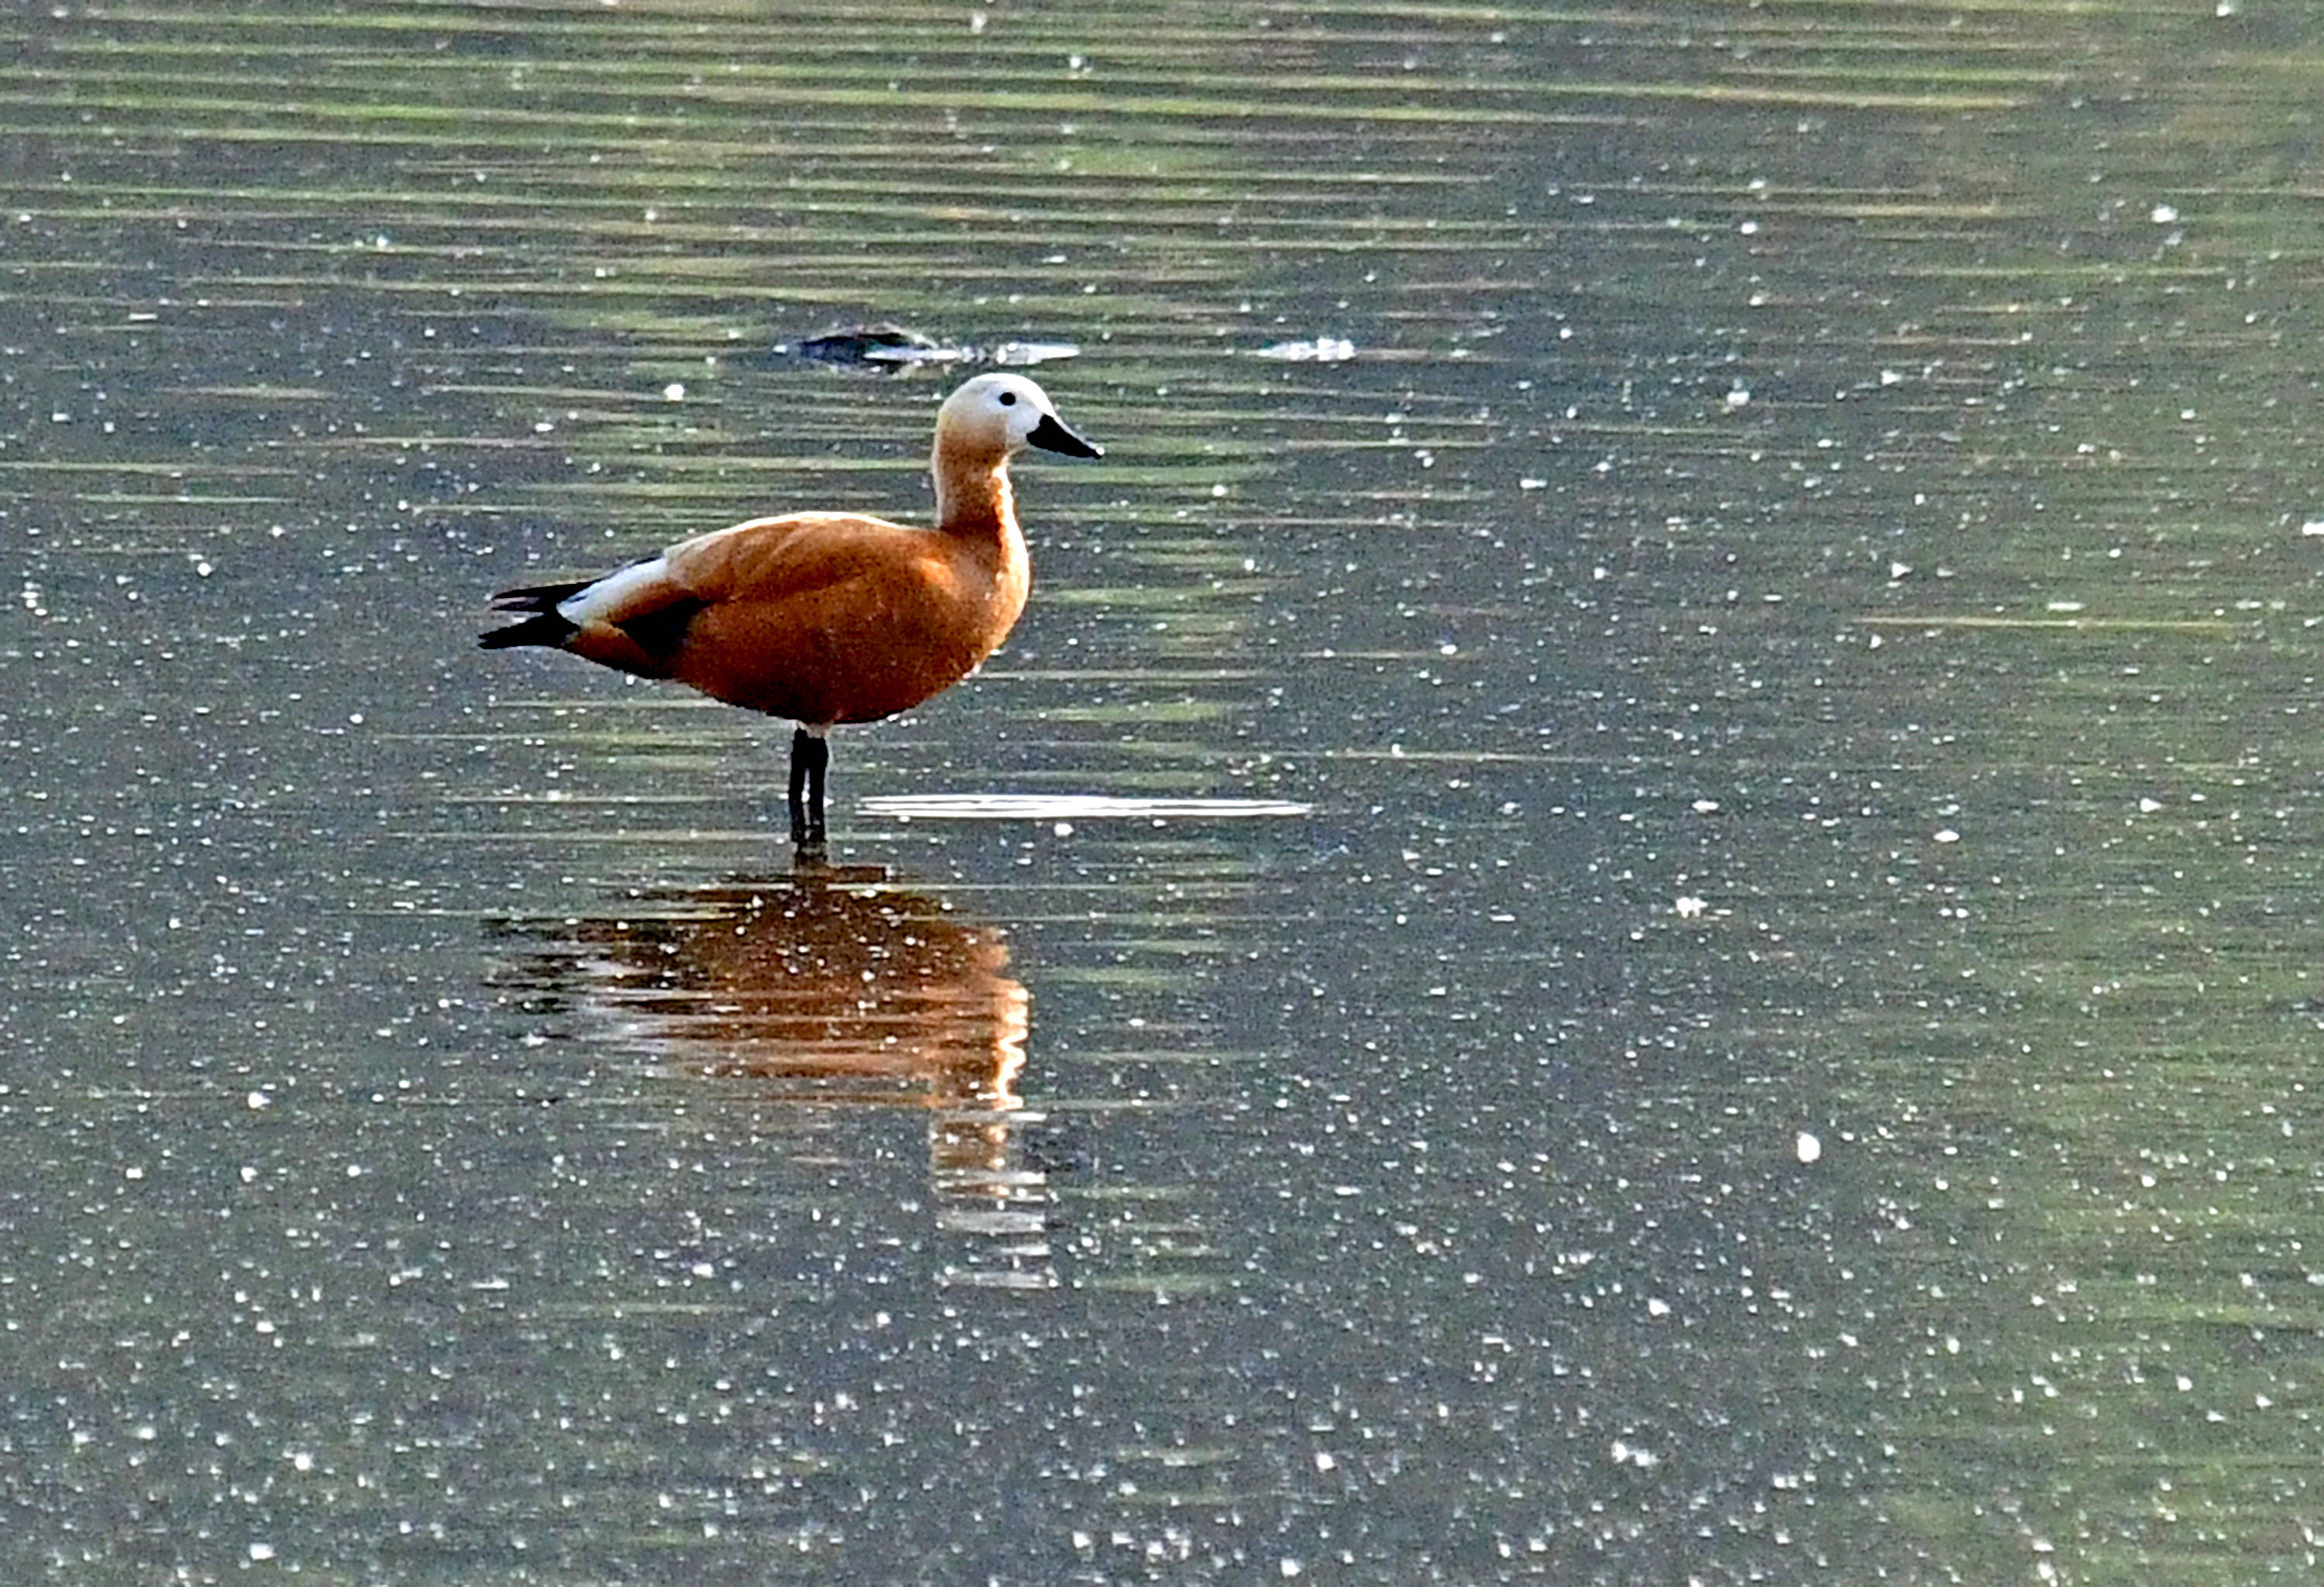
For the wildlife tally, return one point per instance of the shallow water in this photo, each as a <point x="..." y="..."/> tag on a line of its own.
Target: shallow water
<point x="1640" y="902"/>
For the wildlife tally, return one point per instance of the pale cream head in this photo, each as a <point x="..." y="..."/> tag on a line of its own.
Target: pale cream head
<point x="999" y="415"/>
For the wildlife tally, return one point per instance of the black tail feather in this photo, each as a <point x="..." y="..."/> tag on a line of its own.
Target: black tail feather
<point x="539" y="597"/>
<point x="547" y="629"/>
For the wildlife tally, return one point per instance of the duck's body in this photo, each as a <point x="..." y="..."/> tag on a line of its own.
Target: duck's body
<point x="818" y="618"/>
<point x="824" y="618"/>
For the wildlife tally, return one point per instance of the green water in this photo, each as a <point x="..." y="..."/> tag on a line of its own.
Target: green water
<point x="1775" y="548"/>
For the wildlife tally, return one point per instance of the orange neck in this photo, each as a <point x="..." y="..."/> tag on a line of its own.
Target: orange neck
<point x="973" y="495"/>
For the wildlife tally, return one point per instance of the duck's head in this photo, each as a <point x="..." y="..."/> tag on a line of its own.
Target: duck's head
<point x="1003" y="414"/>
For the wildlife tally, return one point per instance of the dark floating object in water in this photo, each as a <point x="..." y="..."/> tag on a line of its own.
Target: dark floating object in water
<point x="864" y="343"/>
<point x="896" y="346"/>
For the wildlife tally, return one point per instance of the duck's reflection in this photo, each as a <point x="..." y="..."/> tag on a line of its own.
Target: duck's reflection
<point x="834" y="987"/>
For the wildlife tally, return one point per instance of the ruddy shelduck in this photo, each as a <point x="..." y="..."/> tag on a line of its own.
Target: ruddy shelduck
<point x="823" y="618"/>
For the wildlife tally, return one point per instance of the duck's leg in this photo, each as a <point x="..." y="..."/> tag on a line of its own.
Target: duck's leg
<point x="810" y="756"/>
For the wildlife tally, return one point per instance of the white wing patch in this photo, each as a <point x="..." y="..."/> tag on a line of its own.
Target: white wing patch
<point x="608" y="599"/>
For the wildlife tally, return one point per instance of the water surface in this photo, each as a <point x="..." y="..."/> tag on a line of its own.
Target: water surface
<point x="1638" y="904"/>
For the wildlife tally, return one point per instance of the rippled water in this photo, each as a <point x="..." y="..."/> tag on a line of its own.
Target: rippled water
<point x="1639" y="903"/>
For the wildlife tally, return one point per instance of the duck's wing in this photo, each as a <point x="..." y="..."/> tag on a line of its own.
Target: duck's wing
<point x="638" y="618"/>
<point x="770" y="562"/>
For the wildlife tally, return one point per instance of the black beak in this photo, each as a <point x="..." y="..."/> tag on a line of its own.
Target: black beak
<point x="1052" y="437"/>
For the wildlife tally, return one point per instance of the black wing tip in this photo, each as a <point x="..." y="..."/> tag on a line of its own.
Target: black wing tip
<point x="542" y="625"/>
<point x="538" y="598"/>
<point x="546" y="629"/>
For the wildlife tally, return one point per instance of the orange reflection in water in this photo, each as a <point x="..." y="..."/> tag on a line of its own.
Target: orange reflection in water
<point x="832" y="987"/>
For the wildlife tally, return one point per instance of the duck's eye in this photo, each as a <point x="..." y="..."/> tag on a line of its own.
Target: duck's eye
<point x="1007" y="399"/>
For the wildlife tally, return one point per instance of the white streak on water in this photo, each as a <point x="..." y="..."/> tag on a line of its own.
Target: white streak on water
<point x="997" y="806"/>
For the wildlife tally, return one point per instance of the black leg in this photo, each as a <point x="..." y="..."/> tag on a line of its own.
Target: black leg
<point x="810" y="755"/>
<point x="818" y="762"/>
